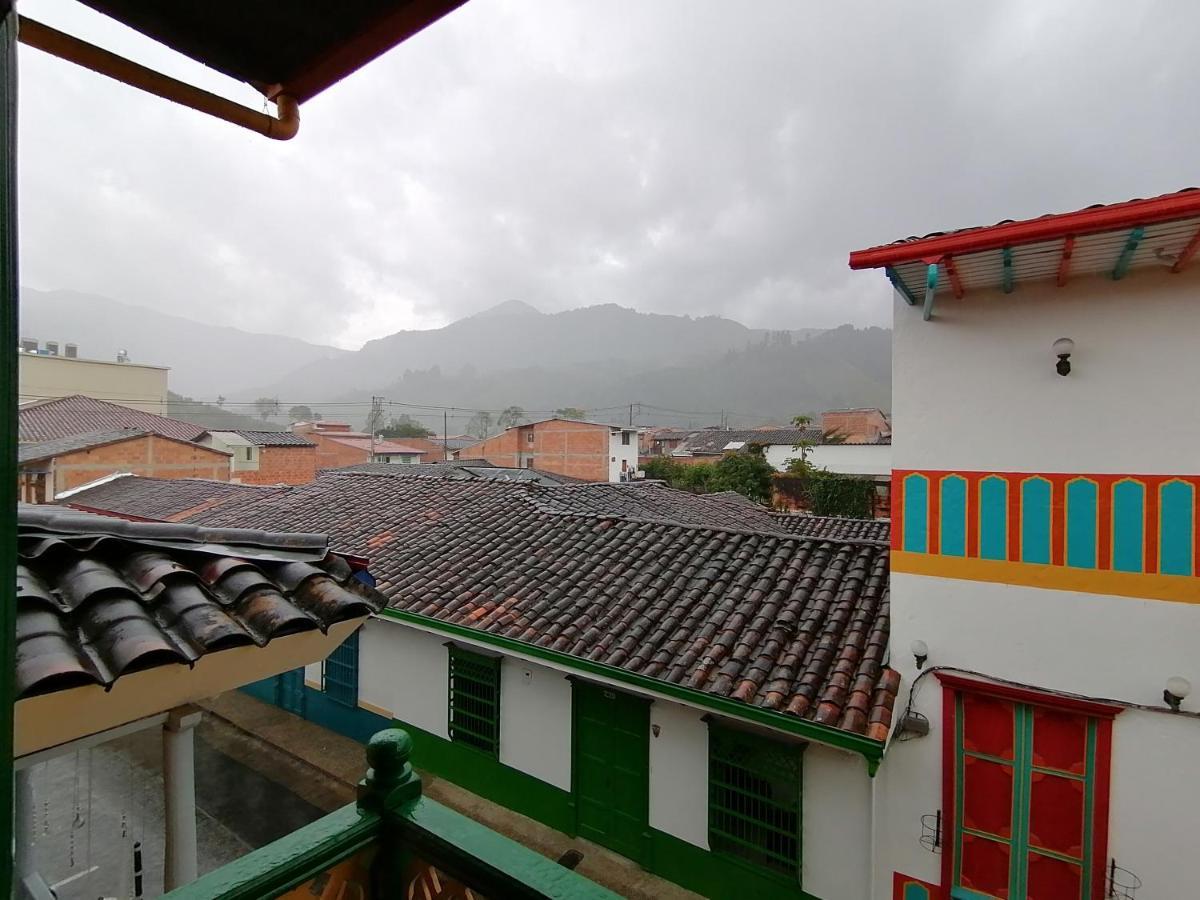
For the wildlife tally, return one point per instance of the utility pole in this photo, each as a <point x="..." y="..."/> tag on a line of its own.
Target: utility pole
<point x="630" y="415"/>
<point x="445" y="437"/>
<point x="374" y="420"/>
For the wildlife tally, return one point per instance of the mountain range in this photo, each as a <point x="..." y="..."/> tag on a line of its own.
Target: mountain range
<point x="675" y="369"/>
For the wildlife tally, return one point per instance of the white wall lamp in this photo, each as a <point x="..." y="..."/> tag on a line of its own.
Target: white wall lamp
<point x="1176" y="692"/>
<point x="920" y="652"/>
<point x="1063" y="348"/>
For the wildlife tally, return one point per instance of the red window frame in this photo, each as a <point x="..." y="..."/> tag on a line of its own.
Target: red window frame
<point x="953" y="686"/>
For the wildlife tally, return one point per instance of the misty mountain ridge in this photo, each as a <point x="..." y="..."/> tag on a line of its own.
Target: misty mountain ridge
<point x="206" y="361"/>
<point x="596" y="357"/>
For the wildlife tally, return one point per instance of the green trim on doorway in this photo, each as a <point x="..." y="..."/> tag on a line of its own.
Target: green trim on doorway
<point x="482" y="774"/>
<point x="871" y="750"/>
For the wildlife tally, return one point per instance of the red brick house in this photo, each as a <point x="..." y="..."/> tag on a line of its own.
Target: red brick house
<point x="592" y="451"/>
<point x="857" y="426"/>
<point x="267" y="457"/>
<point x="47" y="468"/>
<point x="338" y="445"/>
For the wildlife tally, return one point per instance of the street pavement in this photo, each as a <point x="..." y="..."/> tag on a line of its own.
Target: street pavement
<point x="91" y="808"/>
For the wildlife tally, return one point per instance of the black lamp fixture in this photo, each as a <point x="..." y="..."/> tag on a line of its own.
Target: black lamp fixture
<point x="1176" y="691"/>
<point x="920" y="652"/>
<point x="1063" y="348"/>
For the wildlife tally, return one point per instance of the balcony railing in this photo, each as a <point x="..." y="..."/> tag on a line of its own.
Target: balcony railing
<point x="393" y="843"/>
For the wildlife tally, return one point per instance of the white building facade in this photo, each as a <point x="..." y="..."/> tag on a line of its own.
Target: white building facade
<point x="541" y="767"/>
<point x="1045" y="559"/>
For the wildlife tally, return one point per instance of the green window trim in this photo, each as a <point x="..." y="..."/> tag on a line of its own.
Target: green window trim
<point x="754" y="801"/>
<point x="339" y="672"/>
<point x="473" y="708"/>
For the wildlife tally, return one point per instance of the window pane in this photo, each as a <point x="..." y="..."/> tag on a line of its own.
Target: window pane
<point x="984" y="866"/>
<point x="1053" y="879"/>
<point x="987" y="796"/>
<point x="1056" y="814"/>
<point x="988" y="725"/>
<point x="1059" y="741"/>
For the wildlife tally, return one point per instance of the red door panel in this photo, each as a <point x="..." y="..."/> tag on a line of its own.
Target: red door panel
<point x="1053" y="879"/>
<point x="985" y="866"/>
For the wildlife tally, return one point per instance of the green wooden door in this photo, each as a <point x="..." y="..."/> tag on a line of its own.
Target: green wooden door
<point x="612" y="762"/>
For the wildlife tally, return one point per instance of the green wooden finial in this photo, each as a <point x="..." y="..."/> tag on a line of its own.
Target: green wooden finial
<point x="390" y="781"/>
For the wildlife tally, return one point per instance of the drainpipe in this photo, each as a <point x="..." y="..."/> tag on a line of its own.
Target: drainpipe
<point x="72" y="49"/>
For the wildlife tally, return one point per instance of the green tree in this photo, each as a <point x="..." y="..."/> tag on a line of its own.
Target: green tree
<point x="570" y="412"/>
<point x="267" y="407"/>
<point x="510" y="416"/>
<point x="747" y="472"/>
<point x="302" y="413"/>
<point x="405" y="426"/>
<point x="480" y="424"/>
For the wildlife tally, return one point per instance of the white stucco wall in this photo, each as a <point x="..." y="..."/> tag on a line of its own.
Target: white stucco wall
<point x="679" y="772"/>
<point x="845" y="459"/>
<point x="535" y="721"/>
<point x="976" y="388"/>
<point x="619" y="452"/>
<point x="406" y="671"/>
<point x="836" y="829"/>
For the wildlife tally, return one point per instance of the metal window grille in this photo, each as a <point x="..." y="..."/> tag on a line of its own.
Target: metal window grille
<point x="475" y="700"/>
<point x="754" y="800"/>
<point x="339" y="672"/>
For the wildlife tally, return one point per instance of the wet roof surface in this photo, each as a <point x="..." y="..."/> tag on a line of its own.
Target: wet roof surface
<point x="99" y="597"/>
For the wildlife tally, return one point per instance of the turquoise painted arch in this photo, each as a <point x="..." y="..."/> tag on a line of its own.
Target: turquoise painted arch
<point x="1035" y="520"/>
<point x="1129" y="519"/>
<point x="953" y="515"/>
<point x="1083" y="498"/>
<point x="1176" y="527"/>
<point x="993" y="518"/>
<point x="916" y="513"/>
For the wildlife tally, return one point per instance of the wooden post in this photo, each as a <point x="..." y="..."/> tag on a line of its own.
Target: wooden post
<point x="389" y="789"/>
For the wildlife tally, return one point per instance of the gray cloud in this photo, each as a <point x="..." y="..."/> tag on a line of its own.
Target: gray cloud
<point x="676" y="156"/>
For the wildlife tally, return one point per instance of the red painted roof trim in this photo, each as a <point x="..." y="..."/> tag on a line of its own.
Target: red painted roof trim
<point x="1092" y="220"/>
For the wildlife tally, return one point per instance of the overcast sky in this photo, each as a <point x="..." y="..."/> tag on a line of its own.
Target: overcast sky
<point x="682" y="156"/>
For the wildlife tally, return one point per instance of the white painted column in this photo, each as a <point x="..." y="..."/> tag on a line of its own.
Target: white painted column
<point x="179" y="795"/>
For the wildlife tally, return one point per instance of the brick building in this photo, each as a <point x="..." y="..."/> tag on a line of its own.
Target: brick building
<point x="267" y="457"/>
<point x="857" y="426"/>
<point x="47" y="468"/>
<point x="592" y="451"/>
<point x="338" y="445"/>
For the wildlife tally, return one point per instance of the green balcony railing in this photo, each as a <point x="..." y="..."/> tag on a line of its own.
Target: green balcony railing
<point x="393" y="843"/>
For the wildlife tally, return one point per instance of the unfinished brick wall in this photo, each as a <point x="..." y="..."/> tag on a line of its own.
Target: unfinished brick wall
<point x="331" y="454"/>
<point x="282" y="465"/>
<point x="144" y="455"/>
<point x="857" y="426"/>
<point x="577" y="449"/>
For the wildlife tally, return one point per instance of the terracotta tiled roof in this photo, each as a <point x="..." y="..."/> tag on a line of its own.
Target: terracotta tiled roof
<point x="273" y="438"/>
<point x="456" y="469"/>
<point x="364" y="443"/>
<point x="835" y="528"/>
<point x="714" y="440"/>
<point x="603" y="573"/>
<point x="69" y="416"/>
<point x="163" y="499"/>
<point x="98" y="597"/>
<point x="653" y="501"/>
